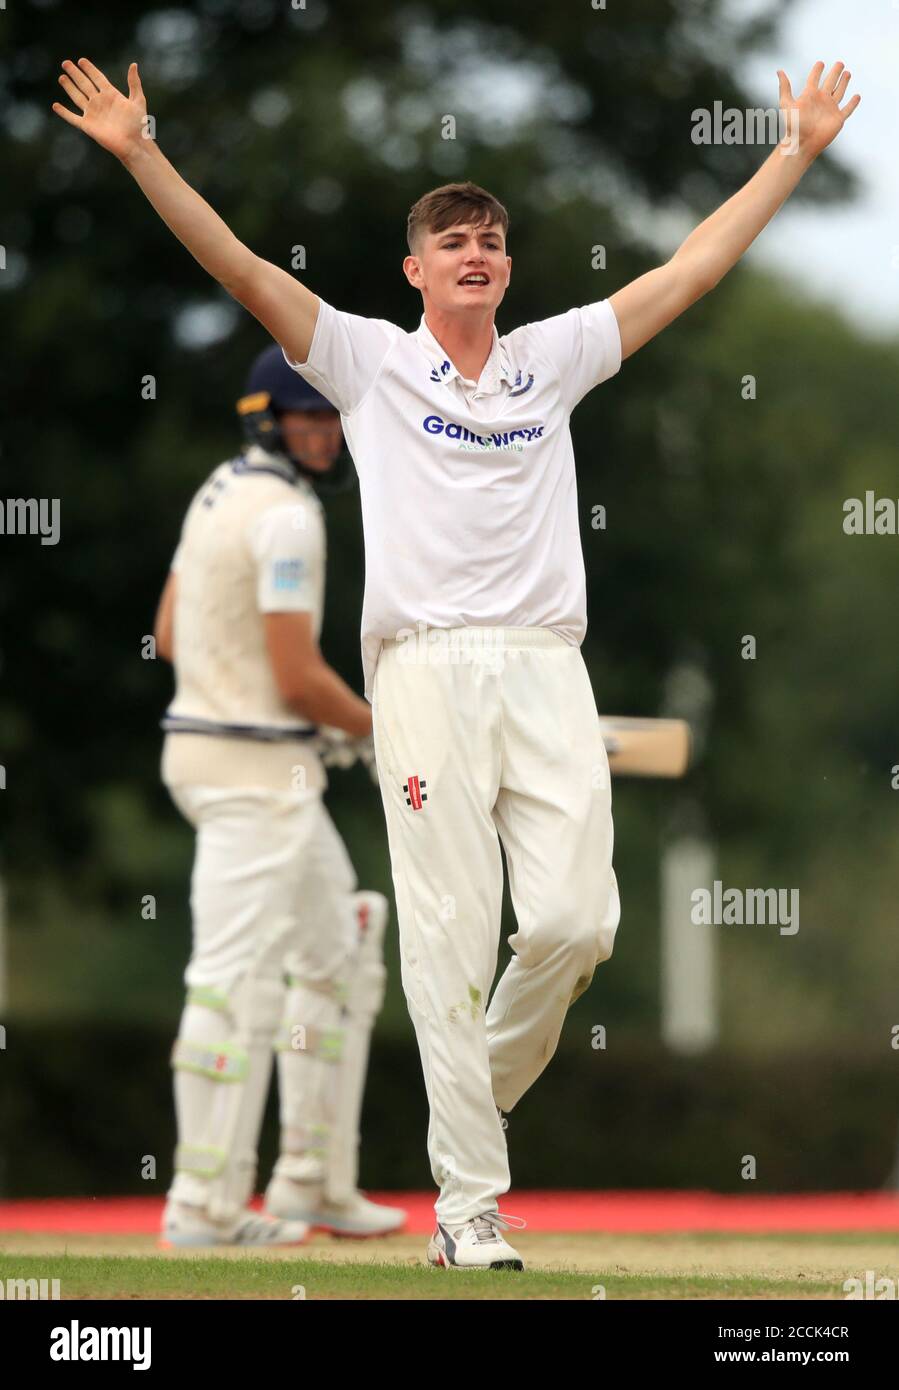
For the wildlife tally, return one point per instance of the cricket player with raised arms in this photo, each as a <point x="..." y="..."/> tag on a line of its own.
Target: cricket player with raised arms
<point x="485" y="723"/>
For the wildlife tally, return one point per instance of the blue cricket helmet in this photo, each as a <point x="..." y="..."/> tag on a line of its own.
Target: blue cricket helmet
<point x="271" y="388"/>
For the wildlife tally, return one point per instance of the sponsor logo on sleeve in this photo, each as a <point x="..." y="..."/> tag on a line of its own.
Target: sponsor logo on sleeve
<point x="287" y="574"/>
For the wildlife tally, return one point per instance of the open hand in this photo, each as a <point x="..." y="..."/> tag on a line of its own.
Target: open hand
<point x="114" y="120"/>
<point x="815" y="117"/>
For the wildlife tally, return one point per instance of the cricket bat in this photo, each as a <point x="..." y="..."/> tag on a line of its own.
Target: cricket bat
<point x="646" y="747"/>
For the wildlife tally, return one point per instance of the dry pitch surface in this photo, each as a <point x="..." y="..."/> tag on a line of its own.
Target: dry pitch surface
<point x="578" y="1266"/>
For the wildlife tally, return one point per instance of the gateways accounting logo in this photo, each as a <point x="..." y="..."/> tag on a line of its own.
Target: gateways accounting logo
<point x="505" y="439"/>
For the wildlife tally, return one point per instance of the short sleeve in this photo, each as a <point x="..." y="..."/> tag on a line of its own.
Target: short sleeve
<point x="345" y="356"/>
<point x="287" y="543"/>
<point x="584" y="345"/>
<point x="176" y="558"/>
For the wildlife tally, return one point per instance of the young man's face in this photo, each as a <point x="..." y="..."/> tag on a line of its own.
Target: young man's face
<point x="312" y="437"/>
<point x="447" y="260"/>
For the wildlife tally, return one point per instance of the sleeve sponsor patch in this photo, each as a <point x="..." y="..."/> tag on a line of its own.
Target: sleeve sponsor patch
<point x="287" y="575"/>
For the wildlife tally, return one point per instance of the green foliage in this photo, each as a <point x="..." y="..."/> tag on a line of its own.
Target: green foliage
<point x="631" y="1117"/>
<point x="320" y="128"/>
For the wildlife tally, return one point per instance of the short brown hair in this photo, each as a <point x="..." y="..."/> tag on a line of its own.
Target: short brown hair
<point x="450" y="205"/>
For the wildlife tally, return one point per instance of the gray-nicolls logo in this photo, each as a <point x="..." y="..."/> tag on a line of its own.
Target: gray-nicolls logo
<point x="416" y="792"/>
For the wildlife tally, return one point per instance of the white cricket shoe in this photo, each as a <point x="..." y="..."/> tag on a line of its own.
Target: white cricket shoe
<point x="476" y="1245"/>
<point x="306" y="1201"/>
<point x="189" y="1225"/>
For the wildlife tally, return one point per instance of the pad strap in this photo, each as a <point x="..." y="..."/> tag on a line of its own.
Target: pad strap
<point x="204" y="1162"/>
<point x="226" y="1062"/>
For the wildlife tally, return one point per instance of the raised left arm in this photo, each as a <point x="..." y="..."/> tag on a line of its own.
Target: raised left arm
<point x="652" y="301"/>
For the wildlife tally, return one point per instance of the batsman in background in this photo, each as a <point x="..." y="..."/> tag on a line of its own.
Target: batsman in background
<point x="280" y="936"/>
<point x="461" y="439"/>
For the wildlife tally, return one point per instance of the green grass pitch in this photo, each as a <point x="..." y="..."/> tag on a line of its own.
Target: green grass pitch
<point x="571" y="1267"/>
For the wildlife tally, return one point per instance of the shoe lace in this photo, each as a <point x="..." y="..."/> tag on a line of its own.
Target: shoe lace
<point x="254" y="1225"/>
<point x="488" y="1225"/>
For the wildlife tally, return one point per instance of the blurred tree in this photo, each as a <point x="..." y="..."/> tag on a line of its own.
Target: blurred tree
<point x="312" y="131"/>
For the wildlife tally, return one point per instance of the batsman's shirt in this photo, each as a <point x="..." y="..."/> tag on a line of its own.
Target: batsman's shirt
<point x="253" y="542"/>
<point x="469" y="497"/>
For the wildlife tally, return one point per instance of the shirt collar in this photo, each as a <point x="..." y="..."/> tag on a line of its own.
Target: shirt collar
<point x="268" y="461"/>
<point x="255" y="459"/>
<point x="497" y="368"/>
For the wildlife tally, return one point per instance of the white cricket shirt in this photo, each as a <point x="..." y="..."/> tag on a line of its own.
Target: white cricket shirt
<point x="253" y="542"/>
<point x="469" y="497"/>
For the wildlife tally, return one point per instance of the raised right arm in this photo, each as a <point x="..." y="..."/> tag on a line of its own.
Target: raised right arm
<point x="118" y="124"/>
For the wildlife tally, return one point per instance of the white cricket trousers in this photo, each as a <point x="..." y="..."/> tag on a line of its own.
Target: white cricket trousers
<point x="485" y="735"/>
<point x="271" y="893"/>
